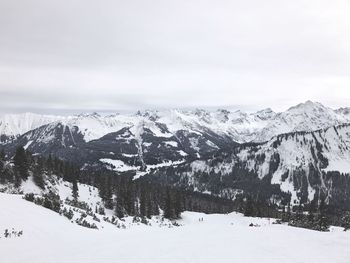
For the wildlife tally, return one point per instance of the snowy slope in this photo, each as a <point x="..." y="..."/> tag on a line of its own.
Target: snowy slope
<point x="88" y="198"/>
<point x="303" y="164"/>
<point x="307" y="155"/>
<point x="49" y="238"/>
<point x="17" y="124"/>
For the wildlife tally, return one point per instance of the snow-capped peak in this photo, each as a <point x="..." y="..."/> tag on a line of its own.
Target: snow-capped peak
<point x="89" y="115"/>
<point x="343" y="111"/>
<point x="311" y="116"/>
<point x="309" y="107"/>
<point x="265" y="114"/>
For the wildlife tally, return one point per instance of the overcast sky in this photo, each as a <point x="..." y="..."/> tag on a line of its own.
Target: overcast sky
<point x="106" y="55"/>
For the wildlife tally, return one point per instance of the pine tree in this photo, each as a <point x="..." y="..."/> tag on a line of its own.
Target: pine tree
<point x="322" y="223"/>
<point x="168" y="208"/>
<point x="21" y="165"/>
<point x="75" y="190"/>
<point x="129" y="198"/>
<point x="119" y="210"/>
<point x="2" y="166"/>
<point x="248" y="211"/>
<point x="284" y="214"/>
<point x="143" y="202"/>
<point x="2" y="155"/>
<point x="49" y="163"/>
<point x="151" y="206"/>
<point x="345" y="221"/>
<point x="178" y="205"/>
<point x="38" y="174"/>
<point x="105" y="190"/>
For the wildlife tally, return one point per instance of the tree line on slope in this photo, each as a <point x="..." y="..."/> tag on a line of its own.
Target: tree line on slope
<point x="127" y="197"/>
<point x="145" y="198"/>
<point x="23" y="165"/>
<point x="141" y="197"/>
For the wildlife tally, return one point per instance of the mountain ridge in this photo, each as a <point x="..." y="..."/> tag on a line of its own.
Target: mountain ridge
<point x="240" y="126"/>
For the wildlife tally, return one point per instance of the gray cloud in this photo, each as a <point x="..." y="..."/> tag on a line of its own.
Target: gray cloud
<point x="120" y="55"/>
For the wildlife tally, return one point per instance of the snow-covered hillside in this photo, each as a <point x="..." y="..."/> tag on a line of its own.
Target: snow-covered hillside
<point x="17" y="124"/>
<point x="50" y="238"/>
<point x="303" y="164"/>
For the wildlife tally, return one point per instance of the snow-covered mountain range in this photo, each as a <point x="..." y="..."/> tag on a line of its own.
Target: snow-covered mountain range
<point x="158" y="137"/>
<point x="304" y="151"/>
<point x="239" y="126"/>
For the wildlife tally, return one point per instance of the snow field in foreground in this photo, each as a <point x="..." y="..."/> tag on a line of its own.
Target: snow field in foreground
<point x="48" y="237"/>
